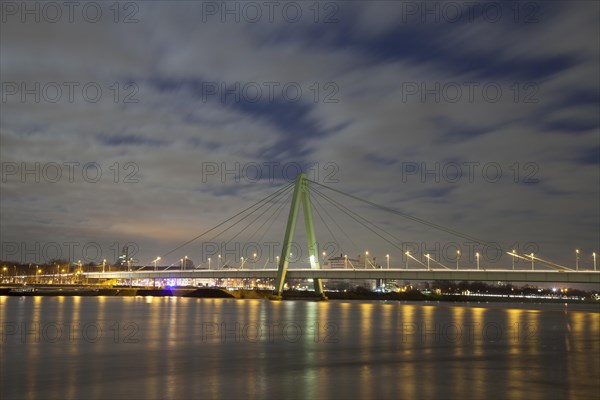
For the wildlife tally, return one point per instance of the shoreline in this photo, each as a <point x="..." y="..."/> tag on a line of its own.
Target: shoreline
<point x="208" y="292"/>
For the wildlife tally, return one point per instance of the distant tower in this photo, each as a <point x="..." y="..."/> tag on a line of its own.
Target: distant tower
<point x="124" y="257"/>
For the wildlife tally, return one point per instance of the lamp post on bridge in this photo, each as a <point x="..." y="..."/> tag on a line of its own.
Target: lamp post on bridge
<point x="457" y="257"/>
<point x="477" y="257"/>
<point x="209" y="263"/>
<point x="219" y="261"/>
<point x="532" y="261"/>
<point x="366" y="257"/>
<point x="387" y="259"/>
<point x="242" y="265"/>
<point x="155" y="261"/>
<point x="407" y="256"/>
<point x="427" y="257"/>
<point x="576" y="259"/>
<point x="513" y="259"/>
<point x="594" y="257"/>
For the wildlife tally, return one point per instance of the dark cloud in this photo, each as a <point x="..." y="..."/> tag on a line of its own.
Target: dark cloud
<point x="378" y="96"/>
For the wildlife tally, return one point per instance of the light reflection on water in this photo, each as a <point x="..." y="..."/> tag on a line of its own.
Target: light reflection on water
<point x="130" y="348"/>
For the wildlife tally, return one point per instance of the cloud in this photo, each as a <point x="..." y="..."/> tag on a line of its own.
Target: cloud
<point x="381" y="92"/>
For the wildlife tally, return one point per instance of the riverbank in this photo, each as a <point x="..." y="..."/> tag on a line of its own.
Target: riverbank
<point x="415" y="295"/>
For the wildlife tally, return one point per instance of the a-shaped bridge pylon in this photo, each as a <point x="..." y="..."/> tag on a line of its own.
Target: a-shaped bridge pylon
<point x="301" y="195"/>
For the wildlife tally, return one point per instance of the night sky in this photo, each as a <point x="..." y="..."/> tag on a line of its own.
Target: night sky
<point x="481" y="118"/>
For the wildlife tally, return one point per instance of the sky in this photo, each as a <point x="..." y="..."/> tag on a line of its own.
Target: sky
<point x="146" y="123"/>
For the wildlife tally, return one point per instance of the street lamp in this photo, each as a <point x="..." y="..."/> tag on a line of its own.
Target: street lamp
<point x="242" y="258"/>
<point x="366" y="256"/>
<point x="576" y="259"/>
<point x="477" y="257"/>
<point x="457" y="257"/>
<point x="155" y="261"/>
<point x="219" y="261"/>
<point x="103" y="265"/>
<point x="387" y="258"/>
<point x="209" y="263"/>
<point x="345" y="260"/>
<point x="277" y="259"/>
<point x="594" y="256"/>
<point x="407" y="256"/>
<point x="532" y="261"/>
<point x="427" y="257"/>
<point x="513" y="259"/>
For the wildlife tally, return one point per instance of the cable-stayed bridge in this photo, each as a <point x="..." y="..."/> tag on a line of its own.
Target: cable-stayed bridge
<point x="307" y="196"/>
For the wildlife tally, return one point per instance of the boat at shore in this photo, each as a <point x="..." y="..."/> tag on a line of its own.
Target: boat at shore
<point x="24" y="290"/>
<point x="46" y="291"/>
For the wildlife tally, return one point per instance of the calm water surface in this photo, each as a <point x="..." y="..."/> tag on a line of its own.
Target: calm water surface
<point x="180" y="348"/>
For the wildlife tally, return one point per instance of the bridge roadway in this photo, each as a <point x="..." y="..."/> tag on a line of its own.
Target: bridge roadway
<point x="398" y="274"/>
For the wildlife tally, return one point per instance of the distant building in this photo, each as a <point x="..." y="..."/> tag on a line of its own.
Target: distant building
<point x="123" y="260"/>
<point x="188" y="264"/>
<point x="345" y="262"/>
<point x="342" y="262"/>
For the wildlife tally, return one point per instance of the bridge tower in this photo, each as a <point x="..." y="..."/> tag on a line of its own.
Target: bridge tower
<point x="301" y="195"/>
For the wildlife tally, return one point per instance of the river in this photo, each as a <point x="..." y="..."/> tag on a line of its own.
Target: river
<point x="184" y="348"/>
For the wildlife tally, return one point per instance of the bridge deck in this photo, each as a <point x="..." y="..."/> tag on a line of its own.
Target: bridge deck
<point x="398" y="274"/>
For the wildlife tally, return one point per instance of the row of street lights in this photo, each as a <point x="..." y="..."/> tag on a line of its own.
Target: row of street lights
<point x="577" y="260"/>
<point x="428" y="257"/>
<point x="533" y="258"/>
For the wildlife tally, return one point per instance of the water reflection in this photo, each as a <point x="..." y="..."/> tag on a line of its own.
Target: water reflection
<point x="74" y="348"/>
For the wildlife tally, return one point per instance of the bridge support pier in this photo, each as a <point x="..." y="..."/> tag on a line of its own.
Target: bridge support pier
<point x="301" y="195"/>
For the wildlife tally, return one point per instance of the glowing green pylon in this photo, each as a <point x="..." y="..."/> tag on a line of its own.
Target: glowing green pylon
<point x="301" y="195"/>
